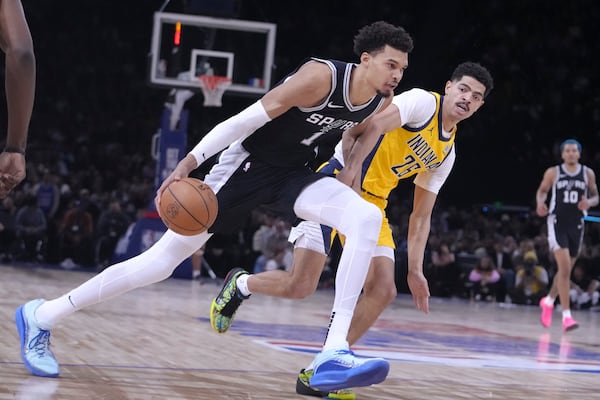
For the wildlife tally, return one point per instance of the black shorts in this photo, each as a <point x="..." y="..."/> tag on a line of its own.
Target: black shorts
<point x="243" y="183"/>
<point x="565" y="234"/>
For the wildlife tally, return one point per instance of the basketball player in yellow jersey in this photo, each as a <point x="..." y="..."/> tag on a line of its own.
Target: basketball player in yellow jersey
<point x="421" y="127"/>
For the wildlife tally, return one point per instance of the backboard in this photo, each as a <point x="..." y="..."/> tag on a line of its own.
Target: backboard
<point x="186" y="46"/>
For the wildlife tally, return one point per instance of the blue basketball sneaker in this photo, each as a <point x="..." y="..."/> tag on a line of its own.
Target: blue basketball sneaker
<point x="35" y="342"/>
<point x="340" y="369"/>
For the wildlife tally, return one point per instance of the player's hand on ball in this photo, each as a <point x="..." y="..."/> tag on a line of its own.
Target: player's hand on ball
<point x="182" y="170"/>
<point x="417" y="283"/>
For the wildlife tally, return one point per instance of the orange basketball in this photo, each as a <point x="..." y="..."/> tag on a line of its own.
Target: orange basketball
<point x="188" y="206"/>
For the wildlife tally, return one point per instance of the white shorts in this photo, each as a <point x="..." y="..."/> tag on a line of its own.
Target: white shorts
<point x="313" y="236"/>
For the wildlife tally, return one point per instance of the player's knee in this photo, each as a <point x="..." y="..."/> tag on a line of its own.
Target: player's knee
<point x="365" y="218"/>
<point x="389" y="293"/>
<point x="383" y="292"/>
<point x="370" y="214"/>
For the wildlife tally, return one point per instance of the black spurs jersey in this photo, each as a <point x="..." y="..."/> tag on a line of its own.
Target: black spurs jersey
<point x="291" y="139"/>
<point x="567" y="191"/>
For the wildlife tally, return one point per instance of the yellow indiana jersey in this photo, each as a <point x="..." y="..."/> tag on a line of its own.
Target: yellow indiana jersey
<point x="404" y="152"/>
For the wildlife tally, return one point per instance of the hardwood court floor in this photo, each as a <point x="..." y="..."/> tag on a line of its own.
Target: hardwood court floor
<point x="156" y="343"/>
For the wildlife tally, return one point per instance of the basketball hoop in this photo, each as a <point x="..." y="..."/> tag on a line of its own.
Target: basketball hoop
<point x="213" y="87"/>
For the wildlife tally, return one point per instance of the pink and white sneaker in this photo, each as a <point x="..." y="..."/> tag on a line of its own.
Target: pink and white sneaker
<point x="569" y="324"/>
<point x="546" y="316"/>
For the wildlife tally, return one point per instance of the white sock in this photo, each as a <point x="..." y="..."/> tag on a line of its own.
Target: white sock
<point x="46" y="314"/>
<point x="338" y="330"/>
<point x="566" y="314"/>
<point x="549" y="300"/>
<point x="310" y="366"/>
<point x="242" y="284"/>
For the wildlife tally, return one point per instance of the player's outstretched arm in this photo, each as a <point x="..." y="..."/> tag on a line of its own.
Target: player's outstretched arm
<point x="418" y="231"/>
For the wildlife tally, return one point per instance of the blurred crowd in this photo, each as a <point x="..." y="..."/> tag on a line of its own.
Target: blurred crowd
<point x="485" y="253"/>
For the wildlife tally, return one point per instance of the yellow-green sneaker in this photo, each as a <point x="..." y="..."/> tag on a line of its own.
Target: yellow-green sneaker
<point x="227" y="302"/>
<point x="303" y="387"/>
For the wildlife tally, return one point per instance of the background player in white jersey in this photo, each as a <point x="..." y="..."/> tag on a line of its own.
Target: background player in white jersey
<point x="420" y="130"/>
<point x="19" y="60"/>
<point x="269" y="145"/>
<point x="574" y="191"/>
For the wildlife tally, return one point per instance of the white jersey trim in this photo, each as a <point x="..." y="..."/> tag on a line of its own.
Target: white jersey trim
<point x="416" y="106"/>
<point x="432" y="180"/>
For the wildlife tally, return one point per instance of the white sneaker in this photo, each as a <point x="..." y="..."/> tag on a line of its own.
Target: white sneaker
<point x="35" y="342"/>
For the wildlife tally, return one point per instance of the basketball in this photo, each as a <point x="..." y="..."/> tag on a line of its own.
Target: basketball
<point x="188" y="206"/>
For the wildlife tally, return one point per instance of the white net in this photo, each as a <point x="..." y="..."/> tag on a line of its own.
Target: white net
<point x="213" y="87"/>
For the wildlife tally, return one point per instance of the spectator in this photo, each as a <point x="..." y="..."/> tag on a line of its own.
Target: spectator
<point x="260" y="240"/>
<point x="279" y="247"/>
<point x="584" y="288"/>
<point x="483" y="279"/>
<point x="502" y="255"/>
<point x="8" y="229"/>
<point x="49" y="200"/>
<point x="31" y="225"/>
<point x="444" y="271"/>
<point x="112" y="224"/>
<point x="76" y="236"/>
<point x="88" y="202"/>
<point x="48" y="195"/>
<point x="531" y="283"/>
<point x="526" y="245"/>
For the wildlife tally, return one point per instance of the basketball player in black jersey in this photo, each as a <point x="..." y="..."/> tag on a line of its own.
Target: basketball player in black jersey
<point x="268" y="146"/>
<point x="19" y="60"/>
<point x="574" y="191"/>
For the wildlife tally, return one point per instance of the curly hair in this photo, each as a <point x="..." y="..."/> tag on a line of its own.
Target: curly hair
<point x="474" y="70"/>
<point x="374" y="37"/>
